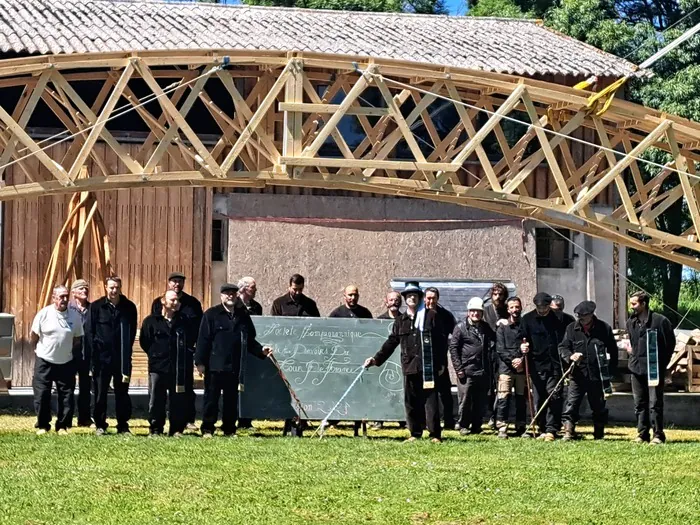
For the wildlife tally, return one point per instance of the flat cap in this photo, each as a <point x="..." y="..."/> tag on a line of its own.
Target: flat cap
<point x="176" y="275"/>
<point x="584" y="308"/>
<point x="228" y="287"/>
<point x="78" y="283"/>
<point x="542" y="299"/>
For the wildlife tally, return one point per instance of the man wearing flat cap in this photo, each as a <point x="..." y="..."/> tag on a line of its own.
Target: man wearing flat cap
<point x="225" y="332"/>
<point x="421" y="400"/>
<point x="80" y="291"/>
<point x="541" y="330"/>
<point x="191" y="313"/>
<point x="586" y="343"/>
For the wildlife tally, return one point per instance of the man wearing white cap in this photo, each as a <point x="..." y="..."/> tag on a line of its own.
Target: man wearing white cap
<point x="471" y="347"/>
<point x="79" y="304"/>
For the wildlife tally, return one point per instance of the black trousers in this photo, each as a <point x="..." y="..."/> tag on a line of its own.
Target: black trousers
<point x="648" y="406"/>
<point x="190" y="401"/>
<point x="542" y="386"/>
<point x="84" y="390"/>
<point x="492" y="393"/>
<point x="444" y="387"/>
<point x="216" y="384"/>
<point x="122" y="401"/>
<point x="472" y="393"/>
<point x="45" y="375"/>
<point x="422" y="407"/>
<point x="162" y="390"/>
<point x="578" y="388"/>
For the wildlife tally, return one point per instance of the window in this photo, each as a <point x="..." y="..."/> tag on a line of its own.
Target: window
<point x="554" y="248"/>
<point x="218" y="240"/>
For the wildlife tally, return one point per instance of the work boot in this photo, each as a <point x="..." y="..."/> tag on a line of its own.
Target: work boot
<point x="598" y="431"/>
<point x="502" y="434"/>
<point x="657" y="441"/>
<point x="569" y="432"/>
<point x="463" y="431"/>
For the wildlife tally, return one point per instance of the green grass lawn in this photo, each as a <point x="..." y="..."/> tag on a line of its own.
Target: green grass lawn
<point x="263" y="478"/>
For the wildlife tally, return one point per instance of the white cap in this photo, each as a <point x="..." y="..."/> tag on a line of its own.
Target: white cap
<point x="475" y="304"/>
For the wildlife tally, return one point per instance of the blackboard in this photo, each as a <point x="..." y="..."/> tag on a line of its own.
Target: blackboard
<point x="320" y="359"/>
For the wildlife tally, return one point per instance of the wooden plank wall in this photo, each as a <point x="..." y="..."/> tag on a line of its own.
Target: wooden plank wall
<point x="152" y="232"/>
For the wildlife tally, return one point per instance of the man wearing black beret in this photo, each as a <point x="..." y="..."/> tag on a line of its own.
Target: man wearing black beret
<point x="586" y="343"/>
<point x="540" y="332"/>
<point x="226" y="331"/>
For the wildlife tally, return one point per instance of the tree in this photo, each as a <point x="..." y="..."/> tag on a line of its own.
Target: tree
<point x="430" y="7"/>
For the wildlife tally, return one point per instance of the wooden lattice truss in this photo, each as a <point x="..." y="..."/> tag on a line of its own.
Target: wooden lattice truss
<point x="282" y="129"/>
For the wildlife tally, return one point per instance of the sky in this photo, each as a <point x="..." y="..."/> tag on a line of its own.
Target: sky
<point x="456" y="7"/>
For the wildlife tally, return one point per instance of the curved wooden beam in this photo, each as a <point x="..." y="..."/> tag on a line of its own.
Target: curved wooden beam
<point x="294" y="103"/>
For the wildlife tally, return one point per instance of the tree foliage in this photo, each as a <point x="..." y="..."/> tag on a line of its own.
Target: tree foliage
<point x="430" y="7"/>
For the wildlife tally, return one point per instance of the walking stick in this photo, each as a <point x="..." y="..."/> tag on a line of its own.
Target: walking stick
<point x="322" y="427"/>
<point x="292" y="393"/>
<point x="529" y="388"/>
<point x="554" y="391"/>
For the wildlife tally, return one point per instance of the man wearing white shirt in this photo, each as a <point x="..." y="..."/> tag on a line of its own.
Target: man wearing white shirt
<point x="55" y="335"/>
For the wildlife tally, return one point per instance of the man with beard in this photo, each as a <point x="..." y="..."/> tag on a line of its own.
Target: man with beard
<point x="393" y="302"/>
<point x="190" y="308"/>
<point x="495" y="315"/>
<point x="164" y="338"/>
<point x="55" y="336"/>
<point x="247" y="290"/>
<point x="226" y="331"/>
<point x="511" y="372"/>
<point x="648" y="400"/>
<point x="471" y="348"/>
<point x="110" y="332"/>
<point x="80" y="290"/>
<point x="409" y="330"/>
<point x="446" y="324"/>
<point x="584" y="342"/>
<point x="557" y="307"/>
<point x="541" y="331"/>
<point x="294" y="303"/>
<point x="350" y="307"/>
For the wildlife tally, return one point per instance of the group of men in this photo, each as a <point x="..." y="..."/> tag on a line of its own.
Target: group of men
<point x="496" y="352"/>
<point x="499" y="354"/>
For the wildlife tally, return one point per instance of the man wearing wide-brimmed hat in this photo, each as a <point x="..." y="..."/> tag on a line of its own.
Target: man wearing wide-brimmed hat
<point x="80" y="291"/>
<point x="413" y="330"/>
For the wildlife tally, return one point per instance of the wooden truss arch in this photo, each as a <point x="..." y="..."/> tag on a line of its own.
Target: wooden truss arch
<point x="279" y="130"/>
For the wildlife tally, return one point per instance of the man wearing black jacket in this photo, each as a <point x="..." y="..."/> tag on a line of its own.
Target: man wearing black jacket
<point x="351" y="309"/>
<point x="541" y="331"/>
<point x="247" y="289"/>
<point x="294" y="303"/>
<point x="421" y="404"/>
<point x="110" y="331"/>
<point x="165" y="339"/>
<point x="225" y="333"/>
<point x="471" y="347"/>
<point x="648" y="400"/>
<point x="584" y="342"/>
<point x="446" y="323"/>
<point x="511" y="371"/>
<point x="190" y="308"/>
<point x="495" y="315"/>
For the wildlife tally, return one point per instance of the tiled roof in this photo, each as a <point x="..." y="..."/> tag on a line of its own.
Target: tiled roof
<point x="506" y="46"/>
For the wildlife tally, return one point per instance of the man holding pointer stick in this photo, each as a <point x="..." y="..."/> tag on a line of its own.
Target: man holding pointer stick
<point x="413" y="331"/>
